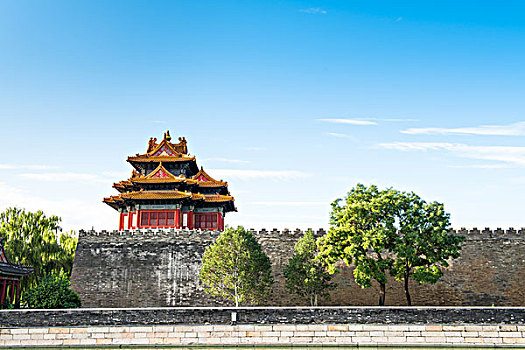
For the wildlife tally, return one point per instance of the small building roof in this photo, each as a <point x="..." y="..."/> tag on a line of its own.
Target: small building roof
<point x="165" y="151"/>
<point x="205" y="180"/>
<point x="9" y="269"/>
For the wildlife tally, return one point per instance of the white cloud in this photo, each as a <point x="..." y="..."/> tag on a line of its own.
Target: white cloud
<point x="116" y="174"/>
<point x="505" y="154"/>
<point x="282" y="175"/>
<point x="334" y="134"/>
<point x="348" y="121"/>
<point x="160" y="122"/>
<point x="313" y="10"/>
<point x="399" y="120"/>
<point x="416" y="146"/>
<point x="27" y="167"/>
<point x="66" y="177"/>
<point x="367" y="121"/>
<point x="516" y="129"/>
<point x="293" y="204"/>
<point x="227" y="160"/>
<point x="481" y="166"/>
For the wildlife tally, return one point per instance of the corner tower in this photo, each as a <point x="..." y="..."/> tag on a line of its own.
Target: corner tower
<point x="168" y="190"/>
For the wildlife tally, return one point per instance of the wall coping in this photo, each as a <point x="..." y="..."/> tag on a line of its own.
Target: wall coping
<point x="233" y="308"/>
<point x="511" y="232"/>
<point x="261" y="315"/>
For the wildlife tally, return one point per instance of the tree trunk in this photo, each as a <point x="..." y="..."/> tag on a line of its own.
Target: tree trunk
<point x="315" y="300"/>
<point x="407" y="292"/>
<point x="236" y="297"/>
<point x="382" y="292"/>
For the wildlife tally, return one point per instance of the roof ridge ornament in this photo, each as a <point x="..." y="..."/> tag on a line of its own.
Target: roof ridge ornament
<point x="167" y="136"/>
<point x="151" y="144"/>
<point x="183" y="144"/>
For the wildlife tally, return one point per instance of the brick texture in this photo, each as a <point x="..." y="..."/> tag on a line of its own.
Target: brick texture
<point x="160" y="268"/>
<point x="258" y="335"/>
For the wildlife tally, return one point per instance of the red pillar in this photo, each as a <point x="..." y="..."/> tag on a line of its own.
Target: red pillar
<point x="121" y="222"/>
<point x="7" y="292"/>
<point x="3" y="291"/>
<point x="17" y="296"/>
<point x="177" y="218"/>
<point x="130" y="220"/>
<point x="12" y="292"/>
<point x="220" y="222"/>
<point x="138" y="218"/>
<point x="190" y="220"/>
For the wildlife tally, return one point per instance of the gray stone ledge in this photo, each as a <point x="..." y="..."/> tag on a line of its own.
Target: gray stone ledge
<point x="233" y="308"/>
<point x="263" y="315"/>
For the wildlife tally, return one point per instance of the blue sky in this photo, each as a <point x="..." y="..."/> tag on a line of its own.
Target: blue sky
<point x="291" y="102"/>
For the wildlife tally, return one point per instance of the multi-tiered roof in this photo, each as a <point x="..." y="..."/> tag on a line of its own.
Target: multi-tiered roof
<point x="167" y="177"/>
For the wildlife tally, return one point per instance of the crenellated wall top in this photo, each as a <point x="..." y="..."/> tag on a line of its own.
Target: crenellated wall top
<point x="145" y="232"/>
<point x="157" y="235"/>
<point x="201" y="234"/>
<point x="474" y="233"/>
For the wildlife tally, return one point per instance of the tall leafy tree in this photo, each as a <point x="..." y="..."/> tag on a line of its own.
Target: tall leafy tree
<point x="236" y="268"/>
<point x="362" y="233"/>
<point x="385" y="232"/>
<point x="423" y="243"/>
<point x="305" y="275"/>
<point x="37" y="240"/>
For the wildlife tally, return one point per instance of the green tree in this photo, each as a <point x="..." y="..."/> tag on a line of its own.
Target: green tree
<point x="52" y="292"/>
<point x="362" y="233"/>
<point x="423" y="243"/>
<point x="36" y="240"/>
<point x="388" y="231"/>
<point x="305" y="275"/>
<point x="236" y="268"/>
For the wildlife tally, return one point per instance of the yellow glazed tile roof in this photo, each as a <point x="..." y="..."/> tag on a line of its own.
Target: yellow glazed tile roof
<point x="148" y="158"/>
<point x="209" y="182"/>
<point x="155" y="195"/>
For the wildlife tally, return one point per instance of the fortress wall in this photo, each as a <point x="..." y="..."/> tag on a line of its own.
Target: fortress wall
<point x="160" y="268"/>
<point x="140" y="268"/>
<point x="490" y="271"/>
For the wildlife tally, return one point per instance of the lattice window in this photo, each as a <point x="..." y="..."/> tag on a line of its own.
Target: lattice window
<point x="157" y="218"/>
<point x="206" y="221"/>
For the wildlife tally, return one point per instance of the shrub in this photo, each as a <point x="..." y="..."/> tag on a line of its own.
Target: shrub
<point x="52" y="293"/>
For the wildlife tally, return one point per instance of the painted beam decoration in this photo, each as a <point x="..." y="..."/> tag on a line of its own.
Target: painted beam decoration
<point x="168" y="190"/>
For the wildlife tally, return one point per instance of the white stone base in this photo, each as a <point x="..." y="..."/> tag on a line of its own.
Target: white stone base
<point x="278" y="334"/>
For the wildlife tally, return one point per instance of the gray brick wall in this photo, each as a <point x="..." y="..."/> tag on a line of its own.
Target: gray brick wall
<point x="159" y="268"/>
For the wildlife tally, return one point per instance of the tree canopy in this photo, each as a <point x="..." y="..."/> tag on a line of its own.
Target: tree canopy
<point x="423" y="243"/>
<point x="236" y="268"/>
<point x="385" y="232"/>
<point x="361" y="233"/>
<point x="305" y="275"/>
<point x="37" y="240"/>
